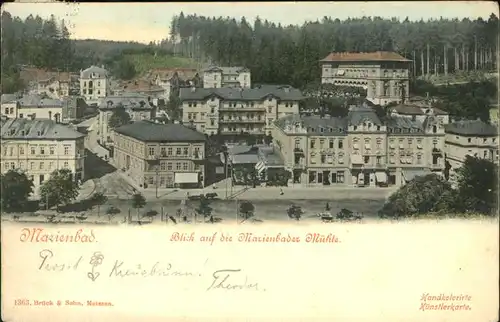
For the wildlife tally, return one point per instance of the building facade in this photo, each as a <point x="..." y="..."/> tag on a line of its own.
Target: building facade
<point x="217" y="77"/>
<point x="359" y="149"/>
<point x="34" y="107"/>
<point x="39" y="147"/>
<point x="470" y="138"/>
<point x="94" y="84"/>
<point x="138" y="106"/>
<point x="169" y="79"/>
<point x="384" y="75"/>
<point x="160" y="155"/>
<point x="232" y="111"/>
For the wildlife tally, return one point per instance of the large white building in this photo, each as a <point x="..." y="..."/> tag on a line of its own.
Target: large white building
<point x="94" y="84"/>
<point x="384" y="75"/>
<point x="217" y="77"/>
<point x="232" y="111"/>
<point x="359" y="149"/>
<point x="41" y="146"/>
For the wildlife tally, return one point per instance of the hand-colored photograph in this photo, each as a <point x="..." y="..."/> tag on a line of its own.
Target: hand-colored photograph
<point x="188" y="117"/>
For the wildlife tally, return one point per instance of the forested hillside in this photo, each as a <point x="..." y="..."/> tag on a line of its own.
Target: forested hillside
<point x="289" y="54"/>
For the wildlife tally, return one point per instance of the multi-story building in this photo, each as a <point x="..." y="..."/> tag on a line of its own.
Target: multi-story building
<point x="232" y="111"/>
<point x="170" y="78"/>
<point x="94" y="84"/>
<point x="34" y="107"/>
<point x="359" y="149"/>
<point x="384" y="75"/>
<point x="54" y="84"/>
<point x="140" y="86"/>
<point x="41" y="146"/>
<point x="217" y="77"/>
<point x="138" y="106"/>
<point x="160" y="155"/>
<point x="471" y="137"/>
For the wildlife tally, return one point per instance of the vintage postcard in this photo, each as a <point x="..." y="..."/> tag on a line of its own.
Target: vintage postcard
<point x="237" y="161"/>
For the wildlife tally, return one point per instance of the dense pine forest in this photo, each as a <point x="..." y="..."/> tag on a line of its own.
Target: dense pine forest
<point x="289" y="54"/>
<point x="275" y="53"/>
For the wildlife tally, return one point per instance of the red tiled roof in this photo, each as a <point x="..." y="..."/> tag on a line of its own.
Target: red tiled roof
<point x="31" y="74"/>
<point x="167" y="73"/>
<point x="374" y="56"/>
<point x="138" y="85"/>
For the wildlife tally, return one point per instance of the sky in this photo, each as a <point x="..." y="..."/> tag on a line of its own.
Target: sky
<point x="145" y="22"/>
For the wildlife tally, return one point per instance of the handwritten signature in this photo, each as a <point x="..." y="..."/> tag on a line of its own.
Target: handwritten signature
<point x="221" y="279"/>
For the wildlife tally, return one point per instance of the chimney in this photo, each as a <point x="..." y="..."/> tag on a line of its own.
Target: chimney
<point x="32" y="116"/>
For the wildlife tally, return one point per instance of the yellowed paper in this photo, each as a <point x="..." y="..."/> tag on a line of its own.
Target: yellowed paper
<point x="420" y="271"/>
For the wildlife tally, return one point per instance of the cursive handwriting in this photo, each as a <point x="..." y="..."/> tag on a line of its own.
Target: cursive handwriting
<point x="157" y="270"/>
<point x="49" y="265"/>
<point x="38" y="235"/>
<point x="230" y="279"/>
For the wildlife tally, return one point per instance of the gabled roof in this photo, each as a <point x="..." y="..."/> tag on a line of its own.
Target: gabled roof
<point x="166" y="74"/>
<point x="36" y="129"/>
<point x="357" y="57"/>
<point x="471" y="128"/>
<point x="30" y="74"/>
<point x="242" y="94"/>
<point x="157" y="132"/>
<point x="101" y="72"/>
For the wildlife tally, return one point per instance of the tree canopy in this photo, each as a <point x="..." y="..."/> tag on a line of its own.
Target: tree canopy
<point x="290" y="54"/>
<point x="16" y="189"/>
<point x="61" y="188"/>
<point x="476" y="192"/>
<point x="119" y="117"/>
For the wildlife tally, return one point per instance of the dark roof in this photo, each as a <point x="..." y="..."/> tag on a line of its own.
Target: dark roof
<point x="157" y="132"/>
<point x="325" y="126"/>
<point x="250" y="94"/>
<point x="471" y="128"/>
<point x="227" y="70"/>
<point x="358" y="115"/>
<point x="373" y="56"/>
<point x="38" y="101"/>
<point x="407" y="109"/>
<point x="36" y="129"/>
<point x="404" y="124"/>
<point x="99" y="71"/>
<point x="130" y="100"/>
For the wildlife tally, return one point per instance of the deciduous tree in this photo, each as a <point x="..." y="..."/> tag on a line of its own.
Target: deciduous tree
<point x="16" y="189"/>
<point x="60" y="189"/>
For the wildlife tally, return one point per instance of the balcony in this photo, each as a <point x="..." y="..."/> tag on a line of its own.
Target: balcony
<point x="242" y="109"/>
<point x="242" y="120"/>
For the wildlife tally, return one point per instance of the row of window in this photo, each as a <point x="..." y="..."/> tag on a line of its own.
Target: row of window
<point x="184" y="166"/>
<point x="32" y="166"/>
<point x="485" y="140"/>
<point x="340" y="144"/>
<point x="32" y="149"/>
<point x="169" y="151"/>
<point x="91" y="83"/>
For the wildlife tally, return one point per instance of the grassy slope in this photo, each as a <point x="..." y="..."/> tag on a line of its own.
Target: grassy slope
<point x="145" y="62"/>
